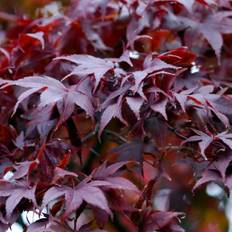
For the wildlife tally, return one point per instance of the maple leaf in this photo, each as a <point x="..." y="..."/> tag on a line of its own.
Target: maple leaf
<point x="151" y="67"/>
<point x="158" y="221"/>
<point x="133" y="150"/>
<point x="38" y="226"/>
<point x="94" y="37"/>
<point x="179" y="57"/>
<point x="24" y="168"/>
<point x="112" y="111"/>
<point x="19" y="141"/>
<point x="15" y="193"/>
<point x="216" y="171"/>
<point x="182" y="97"/>
<point x="204" y="98"/>
<point x="226" y="138"/>
<point x="135" y="27"/>
<point x="205" y="140"/>
<point x="60" y="173"/>
<point x="47" y="225"/>
<point x="123" y="59"/>
<point x="135" y="104"/>
<point x="41" y="119"/>
<point x="52" y="92"/>
<point x="160" y="107"/>
<point x="106" y="173"/>
<point x="211" y="28"/>
<point x="103" y="176"/>
<point x="87" y="65"/>
<point x="188" y="4"/>
<point x="39" y="36"/>
<point x="88" y="192"/>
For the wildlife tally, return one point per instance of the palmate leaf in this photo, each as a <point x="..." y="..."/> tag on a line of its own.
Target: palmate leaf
<point x="211" y="28"/>
<point x="152" y="67"/>
<point x="47" y="225"/>
<point x="107" y="174"/>
<point x="94" y="37"/>
<point x="204" y="140"/>
<point x="160" y="107"/>
<point x="130" y="151"/>
<point x="39" y="36"/>
<point x="135" y="104"/>
<point x="53" y="91"/>
<point x="87" y="65"/>
<point x="24" y="168"/>
<point x="112" y="111"/>
<point x="38" y="226"/>
<point x="161" y="221"/>
<point x="188" y="4"/>
<point x="124" y="60"/>
<point x="216" y="171"/>
<point x="89" y="190"/>
<point x="135" y="27"/>
<point x="15" y="193"/>
<point x="205" y="98"/>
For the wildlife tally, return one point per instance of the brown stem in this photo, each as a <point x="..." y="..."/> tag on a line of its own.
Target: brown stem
<point x="116" y="136"/>
<point x="74" y="136"/>
<point x="145" y="196"/>
<point x="174" y="130"/>
<point x="147" y="193"/>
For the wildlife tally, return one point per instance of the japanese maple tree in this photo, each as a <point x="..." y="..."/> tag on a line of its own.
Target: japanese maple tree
<point x="105" y="104"/>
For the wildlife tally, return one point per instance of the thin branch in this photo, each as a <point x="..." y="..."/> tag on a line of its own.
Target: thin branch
<point x="174" y="130"/>
<point x="74" y="136"/>
<point x="90" y="135"/>
<point x="94" y="152"/>
<point x="116" y="135"/>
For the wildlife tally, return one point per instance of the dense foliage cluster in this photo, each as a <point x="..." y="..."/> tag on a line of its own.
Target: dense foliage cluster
<point x="105" y="103"/>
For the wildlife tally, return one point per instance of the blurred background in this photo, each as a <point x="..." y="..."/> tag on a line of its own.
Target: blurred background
<point x="26" y="6"/>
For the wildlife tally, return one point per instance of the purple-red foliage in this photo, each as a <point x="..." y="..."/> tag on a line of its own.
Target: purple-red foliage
<point x="106" y="102"/>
